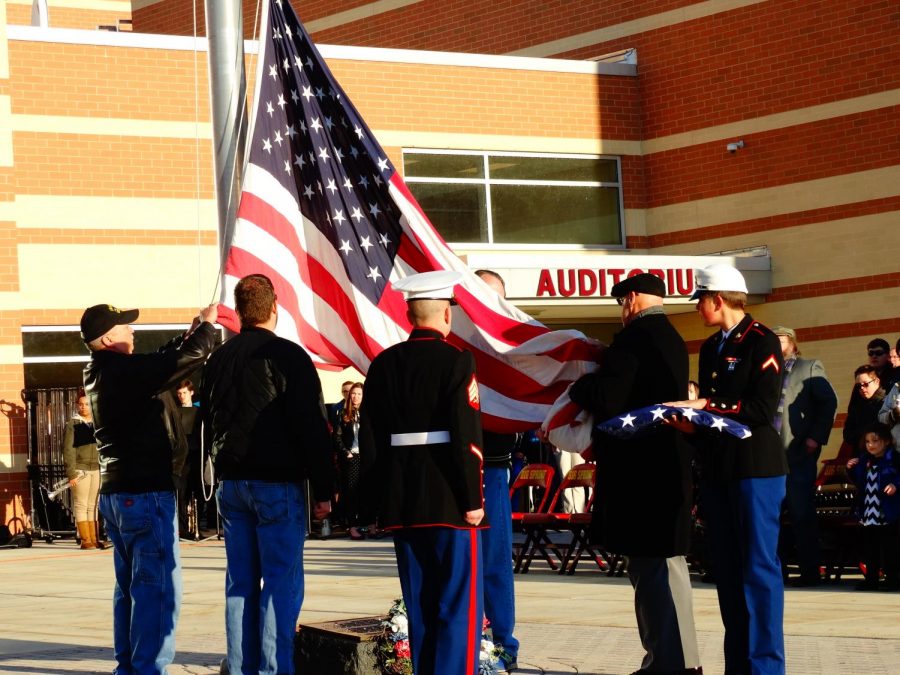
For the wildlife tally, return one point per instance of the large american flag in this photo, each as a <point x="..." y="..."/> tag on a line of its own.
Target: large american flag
<point x="324" y="214"/>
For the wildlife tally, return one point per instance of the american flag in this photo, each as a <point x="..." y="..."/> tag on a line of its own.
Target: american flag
<point x="636" y="421"/>
<point x="324" y="214"/>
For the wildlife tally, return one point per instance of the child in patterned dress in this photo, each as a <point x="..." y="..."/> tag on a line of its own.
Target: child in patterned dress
<point x="876" y="473"/>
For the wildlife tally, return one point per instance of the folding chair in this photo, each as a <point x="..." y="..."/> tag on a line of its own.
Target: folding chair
<point x="538" y="476"/>
<point x="531" y="477"/>
<point x="536" y="525"/>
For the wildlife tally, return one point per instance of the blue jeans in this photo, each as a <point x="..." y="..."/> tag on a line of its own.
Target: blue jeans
<point x="147" y="598"/>
<point x="265" y="527"/>
<point x="496" y="551"/>
<point x="744" y="519"/>
<point x="800" y="502"/>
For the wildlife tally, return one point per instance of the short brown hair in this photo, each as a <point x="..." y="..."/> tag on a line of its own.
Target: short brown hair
<point x="185" y="384"/>
<point x="734" y="299"/>
<point x="253" y="299"/>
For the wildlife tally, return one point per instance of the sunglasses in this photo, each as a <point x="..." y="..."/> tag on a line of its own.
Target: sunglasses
<point x="863" y="385"/>
<point x="877" y="352"/>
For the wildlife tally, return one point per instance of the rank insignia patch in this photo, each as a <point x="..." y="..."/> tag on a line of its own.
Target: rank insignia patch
<point x="473" y="394"/>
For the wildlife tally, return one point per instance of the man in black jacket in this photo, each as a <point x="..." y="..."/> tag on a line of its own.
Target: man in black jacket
<point x="135" y="440"/>
<point x="643" y="503"/>
<point x="265" y="418"/>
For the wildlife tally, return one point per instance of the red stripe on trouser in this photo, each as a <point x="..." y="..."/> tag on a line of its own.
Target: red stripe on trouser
<point x="473" y="600"/>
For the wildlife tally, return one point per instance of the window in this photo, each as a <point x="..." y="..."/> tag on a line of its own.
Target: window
<point x="54" y="356"/>
<point x="518" y="198"/>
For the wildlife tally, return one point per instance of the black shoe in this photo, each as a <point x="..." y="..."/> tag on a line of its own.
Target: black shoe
<point x="223" y="667"/>
<point x="866" y="585"/>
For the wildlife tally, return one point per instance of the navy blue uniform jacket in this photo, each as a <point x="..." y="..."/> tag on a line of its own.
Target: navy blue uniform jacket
<point x="421" y="385"/>
<point x="743" y="382"/>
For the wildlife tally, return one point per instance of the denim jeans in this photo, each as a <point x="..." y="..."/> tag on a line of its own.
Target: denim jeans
<point x="147" y="598"/>
<point x="265" y="527"/>
<point x="496" y="547"/>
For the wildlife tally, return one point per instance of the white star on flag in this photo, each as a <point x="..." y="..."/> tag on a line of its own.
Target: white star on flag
<point x="628" y="420"/>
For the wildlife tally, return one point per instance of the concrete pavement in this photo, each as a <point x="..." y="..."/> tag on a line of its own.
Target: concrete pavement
<point x="55" y="613"/>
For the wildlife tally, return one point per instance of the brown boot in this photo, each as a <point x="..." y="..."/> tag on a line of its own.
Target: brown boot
<point x="99" y="543"/>
<point x="86" y="532"/>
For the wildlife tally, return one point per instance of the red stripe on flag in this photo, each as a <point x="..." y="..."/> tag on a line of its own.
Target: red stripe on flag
<point x="315" y="275"/>
<point x="241" y="263"/>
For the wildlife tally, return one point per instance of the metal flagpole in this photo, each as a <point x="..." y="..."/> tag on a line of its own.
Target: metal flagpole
<point x="228" y="103"/>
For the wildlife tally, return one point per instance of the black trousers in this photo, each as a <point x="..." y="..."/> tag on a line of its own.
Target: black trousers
<point x="881" y="550"/>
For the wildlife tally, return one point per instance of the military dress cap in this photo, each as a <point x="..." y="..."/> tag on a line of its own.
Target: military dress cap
<point x="429" y="285"/>
<point x="718" y="277"/>
<point x="100" y="319"/>
<point x="640" y="283"/>
<point x="784" y="330"/>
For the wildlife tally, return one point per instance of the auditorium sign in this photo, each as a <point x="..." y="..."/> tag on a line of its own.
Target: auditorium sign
<point x="589" y="277"/>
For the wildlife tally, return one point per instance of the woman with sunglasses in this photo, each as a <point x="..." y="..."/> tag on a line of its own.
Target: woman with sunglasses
<point x="865" y="406"/>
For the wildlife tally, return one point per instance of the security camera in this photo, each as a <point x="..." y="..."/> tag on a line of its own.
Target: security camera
<point x="733" y="147"/>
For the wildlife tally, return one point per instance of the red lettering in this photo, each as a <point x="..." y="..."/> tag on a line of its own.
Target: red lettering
<point x="601" y="275"/>
<point x="657" y="273"/>
<point x="545" y="285"/>
<point x="685" y="280"/>
<point x="670" y="281"/>
<point x="616" y="275"/>
<point x="634" y="273"/>
<point x="587" y="282"/>
<point x="564" y="290"/>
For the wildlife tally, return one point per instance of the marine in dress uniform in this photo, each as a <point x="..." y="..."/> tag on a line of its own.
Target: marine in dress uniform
<point x="741" y="370"/>
<point x="644" y="489"/>
<point x="420" y="448"/>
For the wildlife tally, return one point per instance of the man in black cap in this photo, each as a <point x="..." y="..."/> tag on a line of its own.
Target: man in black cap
<point x="135" y="439"/>
<point x="643" y="503"/>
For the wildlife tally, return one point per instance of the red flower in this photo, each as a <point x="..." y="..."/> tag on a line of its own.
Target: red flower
<point x="401" y="648"/>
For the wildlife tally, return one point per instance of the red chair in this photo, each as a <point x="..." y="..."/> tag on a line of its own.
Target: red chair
<point x="533" y="476"/>
<point x="537" y="525"/>
<point x="538" y="476"/>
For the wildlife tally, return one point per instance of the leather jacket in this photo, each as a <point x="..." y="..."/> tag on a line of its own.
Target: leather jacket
<point x="133" y="432"/>
<point x="261" y="400"/>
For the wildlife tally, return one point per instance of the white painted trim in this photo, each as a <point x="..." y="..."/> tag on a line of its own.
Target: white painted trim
<point x="336" y="52"/>
<point x="77" y="329"/>
<point x="101" y="5"/>
<point x="357" y="14"/>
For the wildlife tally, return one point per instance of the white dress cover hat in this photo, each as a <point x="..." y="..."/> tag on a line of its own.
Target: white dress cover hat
<point x="718" y="277"/>
<point x="429" y="285"/>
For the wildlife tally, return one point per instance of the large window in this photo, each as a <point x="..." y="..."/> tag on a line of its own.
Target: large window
<point x="55" y="356"/>
<point x="518" y="198"/>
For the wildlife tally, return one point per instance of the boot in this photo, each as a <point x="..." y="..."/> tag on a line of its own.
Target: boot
<point x="98" y="543"/>
<point x="86" y="532"/>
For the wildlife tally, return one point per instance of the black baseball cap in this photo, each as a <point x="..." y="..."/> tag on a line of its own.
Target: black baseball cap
<point x="640" y="283"/>
<point x="99" y="319"/>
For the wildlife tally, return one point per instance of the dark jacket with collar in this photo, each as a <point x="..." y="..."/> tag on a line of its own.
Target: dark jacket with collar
<point x="888" y="469"/>
<point x="644" y="490"/>
<point x="261" y="401"/>
<point x="742" y="382"/>
<point x="423" y="384"/>
<point x="134" y="433"/>
<point x="809" y="407"/>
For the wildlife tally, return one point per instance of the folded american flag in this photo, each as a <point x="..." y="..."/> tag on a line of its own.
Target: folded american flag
<point x="643" y="419"/>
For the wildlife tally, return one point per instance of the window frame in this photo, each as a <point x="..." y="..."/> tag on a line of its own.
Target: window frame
<point x="486" y="181"/>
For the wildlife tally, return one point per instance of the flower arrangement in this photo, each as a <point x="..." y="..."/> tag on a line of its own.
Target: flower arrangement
<point x="392" y="645"/>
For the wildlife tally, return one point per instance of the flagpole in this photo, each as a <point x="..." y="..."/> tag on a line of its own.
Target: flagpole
<point x="228" y="105"/>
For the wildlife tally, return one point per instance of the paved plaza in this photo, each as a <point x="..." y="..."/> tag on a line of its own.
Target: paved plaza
<point x="55" y="613"/>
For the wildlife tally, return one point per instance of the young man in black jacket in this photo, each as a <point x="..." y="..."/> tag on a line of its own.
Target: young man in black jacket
<point x="137" y="494"/>
<point x="262" y="403"/>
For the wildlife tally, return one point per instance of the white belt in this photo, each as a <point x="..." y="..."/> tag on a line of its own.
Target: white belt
<point x="420" y="438"/>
